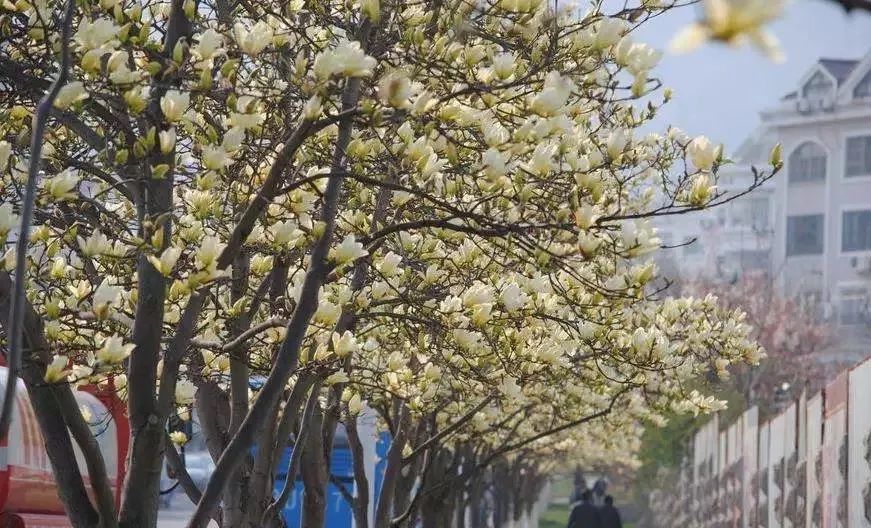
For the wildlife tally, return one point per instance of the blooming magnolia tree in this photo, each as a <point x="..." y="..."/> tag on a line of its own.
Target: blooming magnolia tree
<point x="438" y="208"/>
<point x="787" y="328"/>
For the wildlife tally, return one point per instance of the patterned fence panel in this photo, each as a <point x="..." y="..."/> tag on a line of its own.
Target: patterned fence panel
<point x="835" y="453"/>
<point x="790" y="463"/>
<point x="776" y="431"/>
<point x="763" y="514"/>
<point x="859" y="447"/>
<point x="749" y="453"/>
<point x="808" y="467"/>
<point x="814" y="515"/>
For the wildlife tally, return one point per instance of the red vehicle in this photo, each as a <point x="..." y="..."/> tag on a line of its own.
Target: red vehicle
<point x="28" y="494"/>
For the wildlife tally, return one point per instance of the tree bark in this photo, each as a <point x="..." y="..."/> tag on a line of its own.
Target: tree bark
<point x="315" y="474"/>
<point x="361" y="498"/>
<point x="58" y="444"/>
<point x="238" y="493"/>
<point x="384" y="510"/>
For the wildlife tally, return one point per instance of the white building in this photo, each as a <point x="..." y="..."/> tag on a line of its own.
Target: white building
<point x="817" y="212"/>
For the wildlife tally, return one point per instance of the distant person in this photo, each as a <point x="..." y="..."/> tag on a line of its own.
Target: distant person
<point x="579" y="486"/>
<point x="600" y="489"/>
<point x="610" y="515"/>
<point x="585" y="515"/>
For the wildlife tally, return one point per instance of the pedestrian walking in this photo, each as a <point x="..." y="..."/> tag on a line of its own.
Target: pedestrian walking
<point x="585" y="515"/>
<point x="610" y="515"/>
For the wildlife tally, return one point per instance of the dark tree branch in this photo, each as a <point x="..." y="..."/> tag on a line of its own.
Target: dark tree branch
<point x="850" y="5"/>
<point x="295" y="457"/>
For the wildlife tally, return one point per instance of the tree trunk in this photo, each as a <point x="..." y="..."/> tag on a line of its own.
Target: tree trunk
<point x="384" y="510"/>
<point x="58" y="444"/>
<point x="315" y="475"/>
<point x="361" y="498"/>
<point x="436" y="501"/>
<point x="237" y="495"/>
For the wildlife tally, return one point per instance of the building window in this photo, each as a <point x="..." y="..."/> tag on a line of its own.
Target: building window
<point x="750" y="212"/>
<point x="817" y="87"/>
<point x="863" y="89"/>
<point x="853" y="305"/>
<point x="804" y="235"/>
<point x="856" y="231"/>
<point x="758" y="214"/>
<point x="858" y="156"/>
<point x="807" y="163"/>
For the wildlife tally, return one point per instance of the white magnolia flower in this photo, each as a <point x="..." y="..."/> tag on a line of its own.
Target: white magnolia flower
<point x="495" y="162"/>
<point x="8" y="219"/>
<point x="348" y="251"/>
<point x="114" y="350"/>
<point x="61" y="186"/>
<point x="286" y="233"/>
<point x="733" y="22"/>
<point x="70" y="94"/>
<point x="167" y="140"/>
<point x="174" y="104"/>
<point x="185" y="392"/>
<point x="96" y="244"/>
<point x="5" y="153"/>
<point x="335" y="378"/>
<point x="178" y="438"/>
<point x="701" y="191"/>
<point x="166" y="261"/>
<point x="105" y="298"/>
<point x="521" y="6"/>
<point x="642" y="58"/>
<point x="215" y="158"/>
<point x="209" y="45"/>
<point x="253" y="40"/>
<point x="57" y="369"/>
<point x="609" y="31"/>
<point x="513" y="298"/>
<point x="703" y="153"/>
<point x="208" y="252"/>
<point x="395" y="90"/>
<point x="96" y="34"/>
<point x="347" y="59"/>
<point x="554" y="96"/>
<point x="478" y="294"/>
<point x="511" y="389"/>
<point x="355" y="404"/>
<point x="389" y="264"/>
<point x="313" y="108"/>
<point x="344" y="344"/>
<point x="504" y="65"/>
<point x="327" y="313"/>
<point x="617" y="142"/>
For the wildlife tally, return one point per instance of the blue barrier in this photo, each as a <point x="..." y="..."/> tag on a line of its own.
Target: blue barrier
<point x="338" y="511"/>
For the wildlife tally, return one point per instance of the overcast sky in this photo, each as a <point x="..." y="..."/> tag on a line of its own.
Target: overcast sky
<point x="719" y="91"/>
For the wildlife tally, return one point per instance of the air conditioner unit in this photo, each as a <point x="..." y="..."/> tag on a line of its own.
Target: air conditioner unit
<point x="803" y="106"/>
<point x="827" y="311"/>
<point x="861" y="265"/>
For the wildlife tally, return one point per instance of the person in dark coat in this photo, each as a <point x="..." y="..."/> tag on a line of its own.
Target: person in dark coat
<point x="585" y="515"/>
<point x="610" y="515"/>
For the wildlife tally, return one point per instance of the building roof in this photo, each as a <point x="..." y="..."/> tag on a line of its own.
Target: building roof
<point x="839" y="68"/>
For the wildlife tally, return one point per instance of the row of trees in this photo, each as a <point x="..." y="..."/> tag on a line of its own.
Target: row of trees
<point x="437" y="208"/>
